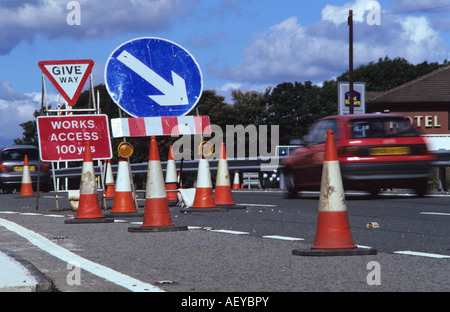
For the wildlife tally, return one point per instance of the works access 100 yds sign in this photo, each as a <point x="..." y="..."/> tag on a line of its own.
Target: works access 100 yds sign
<point x="63" y="138"/>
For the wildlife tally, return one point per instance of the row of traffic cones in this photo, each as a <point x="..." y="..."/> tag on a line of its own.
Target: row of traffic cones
<point x="156" y="212"/>
<point x="156" y="215"/>
<point x="205" y="200"/>
<point x="333" y="235"/>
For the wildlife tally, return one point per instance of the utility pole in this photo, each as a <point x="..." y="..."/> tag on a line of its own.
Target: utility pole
<point x="350" y="24"/>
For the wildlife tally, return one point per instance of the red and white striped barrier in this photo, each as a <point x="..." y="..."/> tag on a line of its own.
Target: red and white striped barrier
<point x="153" y="126"/>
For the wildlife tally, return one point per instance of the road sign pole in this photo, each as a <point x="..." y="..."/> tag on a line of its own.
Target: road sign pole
<point x="350" y="23"/>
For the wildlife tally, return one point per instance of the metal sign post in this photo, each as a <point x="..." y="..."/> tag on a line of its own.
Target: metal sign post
<point x="69" y="78"/>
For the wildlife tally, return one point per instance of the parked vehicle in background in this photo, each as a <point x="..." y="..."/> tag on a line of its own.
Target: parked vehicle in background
<point x="11" y="167"/>
<point x="374" y="150"/>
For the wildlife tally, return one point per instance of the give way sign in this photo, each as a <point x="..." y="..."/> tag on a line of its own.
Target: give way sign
<point x="68" y="77"/>
<point x="63" y="138"/>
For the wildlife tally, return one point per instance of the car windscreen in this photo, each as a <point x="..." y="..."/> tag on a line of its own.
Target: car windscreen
<point x="382" y="128"/>
<point x="18" y="154"/>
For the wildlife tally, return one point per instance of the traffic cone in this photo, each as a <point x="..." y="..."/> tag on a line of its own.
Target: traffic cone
<point x="333" y="236"/>
<point x="109" y="181"/>
<point x="89" y="210"/>
<point x="26" y="189"/>
<point x="171" y="179"/>
<point x="236" y="184"/>
<point x="204" y="198"/>
<point x="222" y="194"/>
<point x="123" y="205"/>
<point x="156" y="210"/>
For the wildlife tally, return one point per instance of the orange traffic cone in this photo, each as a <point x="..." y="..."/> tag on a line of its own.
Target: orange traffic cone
<point x="26" y="189"/>
<point x="109" y="181"/>
<point x="89" y="210"/>
<point x="123" y="201"/>
<point x="236" y="185"/>
<point x="204" y="198"/>
<point x="333" y="236"/>
<point x="156" y="210"/>
<point x="222" y="194"/>
<point x="171" y="179"/>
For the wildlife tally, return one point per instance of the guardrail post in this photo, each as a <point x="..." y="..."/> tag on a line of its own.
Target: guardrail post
<point x="443" y="178"/>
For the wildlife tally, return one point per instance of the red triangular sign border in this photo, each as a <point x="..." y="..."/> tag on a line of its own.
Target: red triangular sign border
<point x="70" y="101"/>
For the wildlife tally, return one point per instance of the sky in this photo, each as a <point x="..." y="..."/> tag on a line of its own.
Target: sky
<point x="248" y="45"/>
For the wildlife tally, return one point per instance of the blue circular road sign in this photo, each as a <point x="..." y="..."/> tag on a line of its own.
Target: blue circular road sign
<point x="153" y="77"/>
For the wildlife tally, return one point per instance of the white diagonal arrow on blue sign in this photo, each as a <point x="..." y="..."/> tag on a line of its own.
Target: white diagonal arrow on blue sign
<point x="175" y="94"/>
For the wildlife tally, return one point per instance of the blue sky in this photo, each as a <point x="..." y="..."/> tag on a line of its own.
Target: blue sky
<point x="239" y="44"/>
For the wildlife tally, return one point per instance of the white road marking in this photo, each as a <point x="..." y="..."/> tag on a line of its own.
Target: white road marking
<point x="436" y="213"/>
<point x="229" y="232"/>
<point x="69" y="257"/>
<point x="284" y="237"/>
<point x="422" y="254"/>
<point x="256" y="205"/>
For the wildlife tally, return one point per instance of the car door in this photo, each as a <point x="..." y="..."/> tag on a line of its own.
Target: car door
<point x="308" y="173"/>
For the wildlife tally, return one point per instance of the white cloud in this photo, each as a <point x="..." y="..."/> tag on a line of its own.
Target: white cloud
<point x="290" y="51"/>
<point x="22" y="20"/>
<point x="339" y="14"/>
<point x="15" y="108"/>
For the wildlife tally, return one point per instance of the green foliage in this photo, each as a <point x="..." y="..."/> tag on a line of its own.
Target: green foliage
<point x="30" y="135"/>
<point x="387" y="74"/>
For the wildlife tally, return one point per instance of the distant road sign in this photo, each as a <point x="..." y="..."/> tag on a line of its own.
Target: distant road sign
<point x="68" y="77"/>
<point x="153" y="77"/>
<point x="359" y="97"/>
<point x="63" y="138"/>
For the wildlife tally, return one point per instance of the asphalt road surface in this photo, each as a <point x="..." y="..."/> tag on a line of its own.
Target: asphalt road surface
<point x="240" y="250"/>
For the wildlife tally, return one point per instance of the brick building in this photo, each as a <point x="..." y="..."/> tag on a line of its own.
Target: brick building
<point x="426" y="102"/>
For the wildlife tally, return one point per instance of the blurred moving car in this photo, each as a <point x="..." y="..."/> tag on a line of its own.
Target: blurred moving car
<point x="11" y="167"/>
<point x="375" y="151"/>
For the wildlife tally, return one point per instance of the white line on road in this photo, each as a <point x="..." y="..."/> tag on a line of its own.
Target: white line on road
<point x="422" y="254"/>
<point x="69" y="257"/>
<point x="284" y="237"/>
<point x="436" y="213"/>
<point x="256" y="205"/>
<point x="229" y="232"/>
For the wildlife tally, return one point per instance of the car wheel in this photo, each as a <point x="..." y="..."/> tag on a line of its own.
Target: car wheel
<point x="421" y="189"/>
<point x="289" y="182"/>
<point x="374" y="191"/>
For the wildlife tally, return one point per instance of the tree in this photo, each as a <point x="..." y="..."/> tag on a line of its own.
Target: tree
<point x="295" y="106"/>
<point x="250" y="107"/>
<point x="30" y="135"/>
<point x="387" y="73"/>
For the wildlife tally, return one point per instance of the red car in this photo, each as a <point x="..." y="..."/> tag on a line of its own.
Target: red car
<point x="375" y="151"/>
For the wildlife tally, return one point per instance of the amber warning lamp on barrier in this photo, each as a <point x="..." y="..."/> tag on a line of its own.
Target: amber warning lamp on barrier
<point x="125" y="149"/>
<point x="205" y="148"/>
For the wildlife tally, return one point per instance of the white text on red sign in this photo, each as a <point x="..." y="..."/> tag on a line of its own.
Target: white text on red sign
<point x="64" y="137"/>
